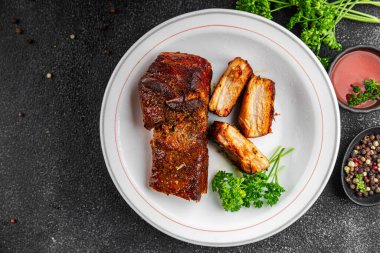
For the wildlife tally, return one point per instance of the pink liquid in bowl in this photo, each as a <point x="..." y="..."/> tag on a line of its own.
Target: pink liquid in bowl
<point x="353" y="68"/>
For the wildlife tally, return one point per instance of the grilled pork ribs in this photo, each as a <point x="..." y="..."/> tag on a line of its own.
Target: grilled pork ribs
<point x="174" y="96"/>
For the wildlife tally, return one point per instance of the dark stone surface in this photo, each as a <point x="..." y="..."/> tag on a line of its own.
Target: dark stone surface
<point x="53" y="180"/>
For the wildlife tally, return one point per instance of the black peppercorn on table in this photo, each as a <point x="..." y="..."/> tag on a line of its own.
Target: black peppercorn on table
<point x="55" y="192"/>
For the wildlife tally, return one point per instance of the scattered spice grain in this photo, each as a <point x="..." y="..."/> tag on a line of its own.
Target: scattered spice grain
<point x="14" y="20"/>
<point x="19" y="30"/>
<point x="113" y="10"/>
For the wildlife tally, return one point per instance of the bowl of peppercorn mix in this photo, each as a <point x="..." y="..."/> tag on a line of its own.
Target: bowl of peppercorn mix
<point x="361" y="168"/>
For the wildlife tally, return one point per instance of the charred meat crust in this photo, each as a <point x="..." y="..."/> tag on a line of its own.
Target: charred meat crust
<point x="172" y="77"/>
<point x="174" y="95"/>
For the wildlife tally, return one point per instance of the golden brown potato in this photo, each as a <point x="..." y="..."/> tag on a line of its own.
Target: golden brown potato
<point x="257" y="109"/>
<point x="230" y="86"/>
<point x="241" y="150"/>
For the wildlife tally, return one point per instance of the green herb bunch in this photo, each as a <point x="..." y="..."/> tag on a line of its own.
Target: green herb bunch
<point x="372" y="92"/>
<point x="257" y="189"/>
<point x="318" y="18"/>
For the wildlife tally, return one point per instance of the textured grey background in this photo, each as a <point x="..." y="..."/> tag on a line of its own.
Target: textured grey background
<point x="53" y="180"/>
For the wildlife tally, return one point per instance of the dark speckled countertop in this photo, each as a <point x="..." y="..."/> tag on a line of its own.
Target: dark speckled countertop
<point x="53" y="180"/>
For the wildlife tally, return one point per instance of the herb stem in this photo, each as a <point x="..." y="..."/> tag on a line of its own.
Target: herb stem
<point x="287" y="152"/>
<point x="375" y="3"/>
<point x="344" y="10"/>
<point x="274" y="153"/>
<point x="276" y="162"/>
<point x="281" y="7"/>
<point x="362" y="14"/>
<point x="278" y="2"/>
<point x="373" y="20"/>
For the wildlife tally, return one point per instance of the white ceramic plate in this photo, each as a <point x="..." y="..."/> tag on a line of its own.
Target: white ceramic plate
<point x="308" y="121"/>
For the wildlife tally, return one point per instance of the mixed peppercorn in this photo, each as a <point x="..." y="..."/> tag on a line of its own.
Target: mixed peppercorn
<point x="362" y="171"/>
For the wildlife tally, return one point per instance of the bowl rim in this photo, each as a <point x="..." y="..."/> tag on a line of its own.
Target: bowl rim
<point x="347" y="191"/>
<point x="332" y="65"/>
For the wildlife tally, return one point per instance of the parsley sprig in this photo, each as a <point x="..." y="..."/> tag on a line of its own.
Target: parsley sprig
<point x="251" y="190"/>
<point x="372" y="92"/>
<point x="317" y="18"/>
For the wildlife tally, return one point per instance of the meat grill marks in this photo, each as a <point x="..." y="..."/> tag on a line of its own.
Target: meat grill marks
<point x="257" y="109"/>
<point x="230" y="85"/>
<point x="238" y="148"/>
<point x="174" y="96"/>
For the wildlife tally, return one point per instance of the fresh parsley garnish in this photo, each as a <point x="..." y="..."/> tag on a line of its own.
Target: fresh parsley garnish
<point x="355" y="88"/>
<point x="372" y="92"/>
<point x="251" y="190"/>
<point x="317" y="18"/>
